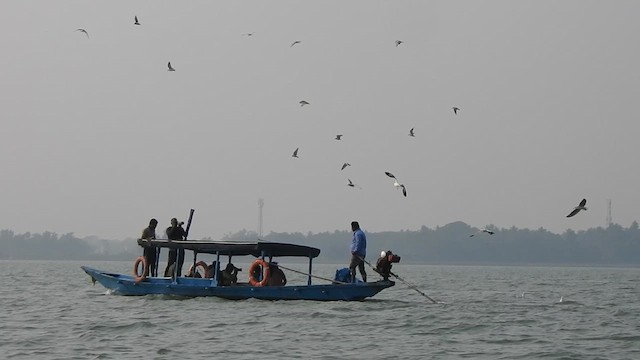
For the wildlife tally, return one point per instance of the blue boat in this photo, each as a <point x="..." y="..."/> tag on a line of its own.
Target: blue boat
<point x="266" y="278"/>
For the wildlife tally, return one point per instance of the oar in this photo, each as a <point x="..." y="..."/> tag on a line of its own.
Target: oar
<point x="401" y="280"/>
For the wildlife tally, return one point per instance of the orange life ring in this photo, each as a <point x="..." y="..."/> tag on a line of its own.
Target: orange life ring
<point x="265" y="273"/>
<point x="145" y="269"/>
<point x="202" y="265"/>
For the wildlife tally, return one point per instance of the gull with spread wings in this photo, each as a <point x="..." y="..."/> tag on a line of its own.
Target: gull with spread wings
<point x="84" y="31"/>
<point x="577" y="209"/>
<point x="396" y="183"/>
<point x="483" y="230"/>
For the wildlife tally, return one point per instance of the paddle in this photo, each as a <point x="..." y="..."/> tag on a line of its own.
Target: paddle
<point x="410" y="286"/>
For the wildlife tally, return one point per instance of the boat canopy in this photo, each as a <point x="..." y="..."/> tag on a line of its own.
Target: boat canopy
<point x="257" y="249"/>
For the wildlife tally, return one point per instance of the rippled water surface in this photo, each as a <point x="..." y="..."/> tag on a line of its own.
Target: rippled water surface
<point x="50" y="310"/>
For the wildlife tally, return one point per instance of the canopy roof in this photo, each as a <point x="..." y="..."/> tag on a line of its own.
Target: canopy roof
<point x="257" y="249"/>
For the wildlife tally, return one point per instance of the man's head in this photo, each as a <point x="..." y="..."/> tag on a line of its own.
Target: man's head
<point x="355" y="226"/>
<point x="174" y="222"/>
<point x="153" y="223"/>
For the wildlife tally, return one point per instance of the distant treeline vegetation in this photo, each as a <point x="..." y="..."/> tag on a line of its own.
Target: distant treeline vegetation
<point x="449" y="244"/>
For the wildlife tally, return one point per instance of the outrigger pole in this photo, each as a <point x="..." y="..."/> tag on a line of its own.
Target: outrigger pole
<point x="403" y="281"/>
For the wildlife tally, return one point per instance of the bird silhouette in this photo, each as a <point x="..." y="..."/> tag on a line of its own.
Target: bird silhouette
<point x="136" y="22"/>
<point x="455" y="110"/>
<point x="84" y="31"/>
<point x="398" y="42"/>
<point x="247" y="34"/>
<point x="303" y="103"/>
<point x="482" y="231"/>
<point x="295" y="153"/>
<point x="170" y="67"/>
<point x="577" y="209"/>
<point x="351" y="184"/>
<point x="344" y="166"/>
<point x="295" y="42"/>
<point x="339" y="137"/>
<point x="411" y="133"/>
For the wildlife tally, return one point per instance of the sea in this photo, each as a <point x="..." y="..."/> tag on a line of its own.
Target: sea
<point x="51" y="310"/>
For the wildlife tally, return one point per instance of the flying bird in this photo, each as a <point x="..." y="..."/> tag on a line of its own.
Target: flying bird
<point x="248" y="34"/>
<point x="482" y="231"/>
<point x="344" y="166"/>
<point x="411" y="132"/>
<point x="351" y="184"/>
<point x="84" y="31"/>
<point x="396" y="183"/>
<point x="303" y="103"/>
<point x="295" y="42"/>
<point x="398" y="42"/>
<point x="295" y="153"/>
<point x="136" y="22"/>
<point x="577" y="209"/>
<point x="339" y="137"/>
<point x="170" y="67"/>
<point x="455" y="110"/>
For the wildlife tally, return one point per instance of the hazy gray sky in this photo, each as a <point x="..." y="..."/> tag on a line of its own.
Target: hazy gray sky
<point x="97" y="136"/>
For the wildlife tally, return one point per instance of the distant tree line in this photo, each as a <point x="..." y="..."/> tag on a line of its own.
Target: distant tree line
<point x="449" y="244"/>
<point x="452" y="244"/>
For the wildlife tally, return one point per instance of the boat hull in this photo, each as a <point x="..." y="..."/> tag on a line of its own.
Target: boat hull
<point x="191" y="287"/>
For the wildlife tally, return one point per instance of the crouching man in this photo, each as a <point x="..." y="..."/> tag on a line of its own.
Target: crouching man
<point x="384" y="263"/>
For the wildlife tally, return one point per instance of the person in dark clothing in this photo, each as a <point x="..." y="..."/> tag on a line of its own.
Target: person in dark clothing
<point x="176" y="256"/>
<point x="358" y="252"/>
<point x="149" y="253"/>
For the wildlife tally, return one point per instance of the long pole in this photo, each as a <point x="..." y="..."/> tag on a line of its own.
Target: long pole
<point x="186" y="231"/>
<point x="403" y="281"/>
<point x="180" y="251"/>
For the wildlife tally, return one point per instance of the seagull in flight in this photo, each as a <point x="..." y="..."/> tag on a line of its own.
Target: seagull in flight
<point x="84" y="31"/>
<point x="351" y="184"/>
<point x="577" y="209"/>
<point x="483" y="230"/>
<point x="397" y="184"/>
<point x="248" y="34"/>
<point x="339" y="137"/>
<point x="344" y="166"/>
<point x="295" y="42"/>
<point x="398" y="42"/>
<point x="455" y="110"/>
<point x="295" y="153"/>
<point x="303" y="103"/>
<point x="136" y="22"/>
<point x="170" y="67"/>
<point x="411" y="133"/>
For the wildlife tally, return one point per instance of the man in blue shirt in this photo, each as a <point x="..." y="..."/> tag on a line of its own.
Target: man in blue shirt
<point x="358" y="252"/>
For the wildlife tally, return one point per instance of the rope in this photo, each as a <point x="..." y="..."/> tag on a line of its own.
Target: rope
<point x="313" y="276"/>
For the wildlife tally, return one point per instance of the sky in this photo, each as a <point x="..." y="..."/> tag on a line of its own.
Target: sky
<point x="97" y="136"/>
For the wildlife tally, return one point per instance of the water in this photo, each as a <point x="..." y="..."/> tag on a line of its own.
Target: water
<point x="50" y="310"/>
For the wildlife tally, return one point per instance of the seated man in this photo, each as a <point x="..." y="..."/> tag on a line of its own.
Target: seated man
<point x="229" y="275"/>
<point x="277" y="277"/>
<point x="211" y="269"/>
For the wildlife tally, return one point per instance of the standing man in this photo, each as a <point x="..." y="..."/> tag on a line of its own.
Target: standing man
<point x="358" y="252"/>
<point x="149" y="252"/>
<point x="175" y="232"/>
